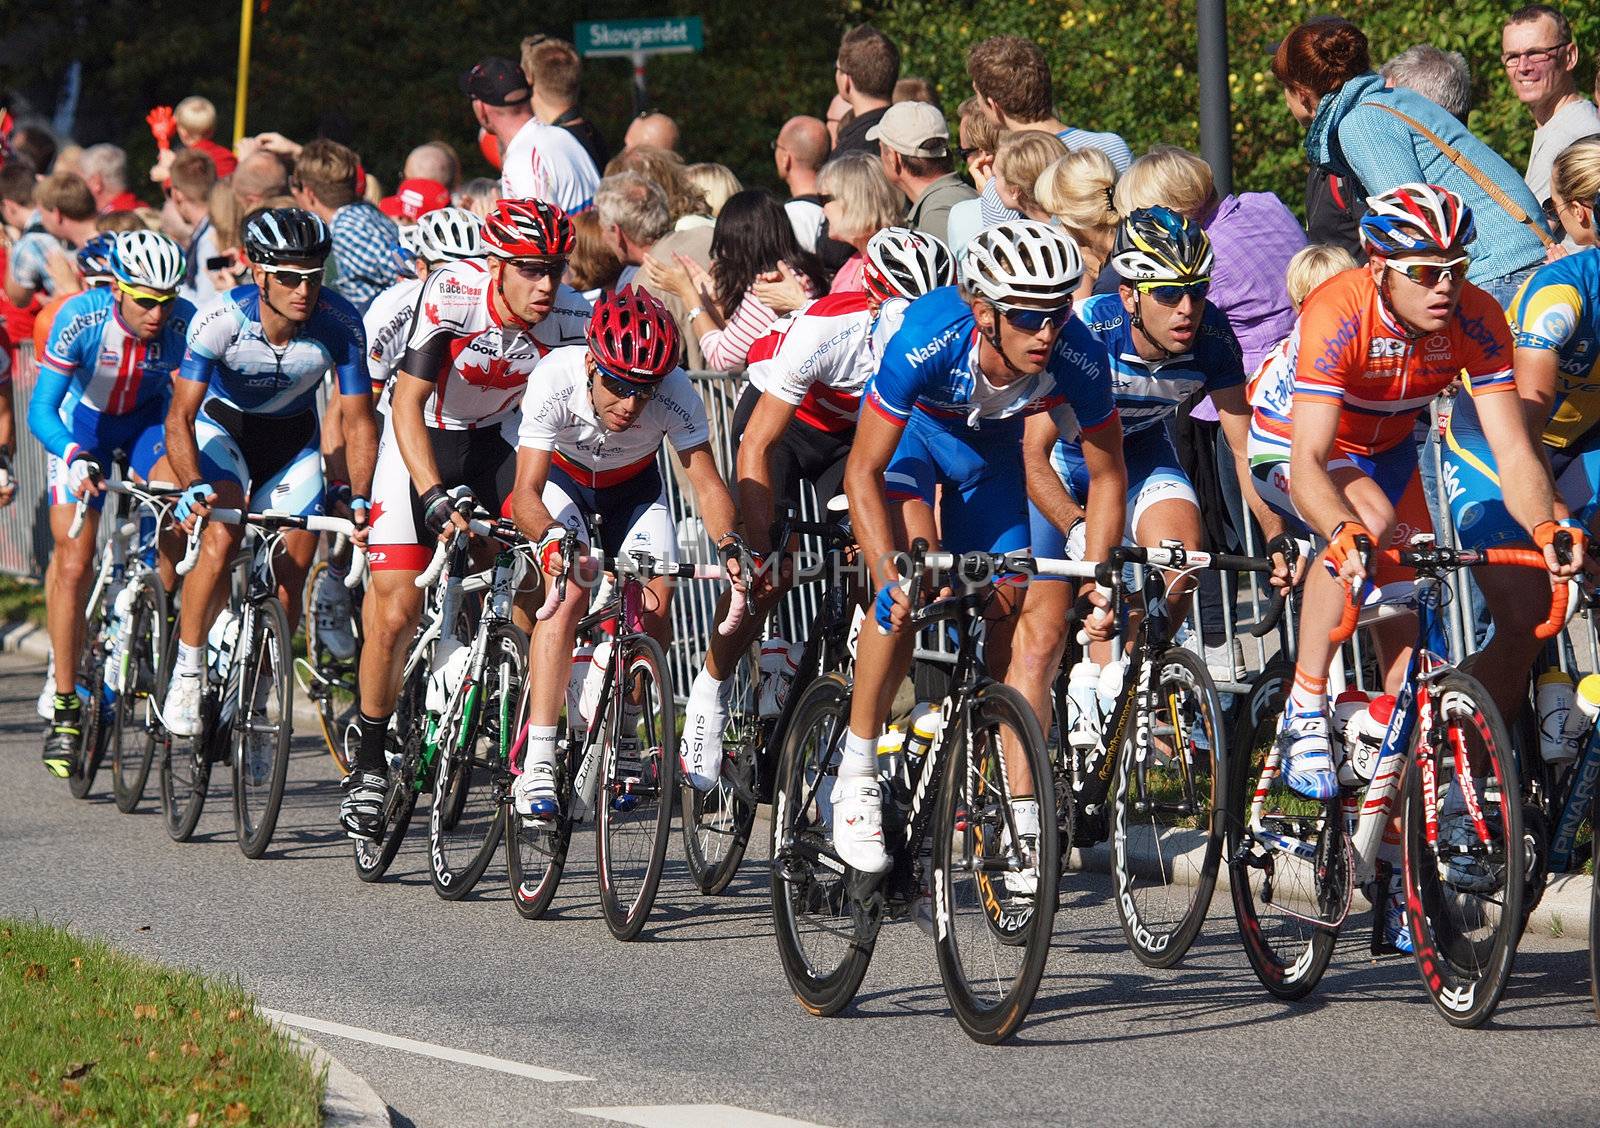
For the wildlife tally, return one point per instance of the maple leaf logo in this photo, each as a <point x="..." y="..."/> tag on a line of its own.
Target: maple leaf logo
<point x="493" y="373"/>
<point x="374" y="514"/>
<point x="431" y="309"/>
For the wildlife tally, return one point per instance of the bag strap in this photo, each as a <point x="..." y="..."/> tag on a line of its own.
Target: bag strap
<point x="1455" y="157"/>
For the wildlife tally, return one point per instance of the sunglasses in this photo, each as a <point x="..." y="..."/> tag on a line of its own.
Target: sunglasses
<point x="1170" y="293"/>
<point x="1430" y="274"/>
<point x="965" y="152"/>
<point x="145" y="299"/>
<point x="1033" y="320"/>
<point x="533" y="270"/>
<point x="625" y="389"/>
<point x="291" y="279"/>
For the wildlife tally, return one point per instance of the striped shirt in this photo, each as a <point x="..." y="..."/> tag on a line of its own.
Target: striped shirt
<point x="728" y="349"/>
<point x="363" y="253"/>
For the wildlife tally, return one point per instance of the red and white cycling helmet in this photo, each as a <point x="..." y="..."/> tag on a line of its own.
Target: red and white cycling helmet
<point x="518" y="229"/>
<point x="902" y="263"/>
<point x="1416" y="217"/>
<point x="633" y="336"/>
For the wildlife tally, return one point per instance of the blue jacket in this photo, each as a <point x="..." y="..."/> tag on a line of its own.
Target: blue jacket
<point x="1352" y="137"/>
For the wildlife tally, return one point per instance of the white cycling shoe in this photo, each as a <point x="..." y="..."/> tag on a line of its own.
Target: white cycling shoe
<point x="533" y="795"/>
<point x="332" y="611"/>
<point x="858" y="823"/>
<point x="181" y="711"/>
<point x="701" y="757"/>
<point x="1025" y="813"/>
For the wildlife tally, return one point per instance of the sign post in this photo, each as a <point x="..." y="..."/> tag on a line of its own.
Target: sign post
<point x="638" y="40"/>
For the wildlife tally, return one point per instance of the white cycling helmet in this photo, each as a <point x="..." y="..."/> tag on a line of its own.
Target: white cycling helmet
<point x="1022" y="260"/>
<point x="446" y="234"/>
<point x="902" y="263"/>
<point x="147" y="258"/>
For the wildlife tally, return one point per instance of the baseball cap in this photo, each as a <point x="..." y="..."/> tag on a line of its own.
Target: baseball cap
<point x="915" y="129"/>
<point x="496" y="82"/>
<point x="414" y="198"/>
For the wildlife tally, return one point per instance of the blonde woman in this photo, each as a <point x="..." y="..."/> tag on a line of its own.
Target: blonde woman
<point x="716" y="183"/>
<point x="858" y="202"/>
<point x="1020" y="157"/>
<point x="1076" y="192"/>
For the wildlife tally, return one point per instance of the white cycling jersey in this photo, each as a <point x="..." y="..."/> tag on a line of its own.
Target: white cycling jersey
<point x="558" y="416"/>
<point x="388" y="325"/>
<point x="545" y="162"/>
<point x="481" y="364"/>
<point x="820" y="357"/>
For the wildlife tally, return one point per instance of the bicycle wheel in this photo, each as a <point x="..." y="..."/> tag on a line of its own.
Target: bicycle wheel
<point x="992" y="923"/>
<point x="263" y="728"/>
<point x="373" y="856"/>
<point x="95" y="704"/>
<point x="1167" y="825"/>
<point x="1464" y="903"/>
<point x="328" y="682"/>
<point x="139" y="682"/>
<point x="716" y="823"/>
<point x="638" y="784"/>
<point x="536" y="853"/>
<point x="825" y="935"/>
<point x="1289" y="862"/>
<point x="464" y="822"/>
<point x="185" y="765"/>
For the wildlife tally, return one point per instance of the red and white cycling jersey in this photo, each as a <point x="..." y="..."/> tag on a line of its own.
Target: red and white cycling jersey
<point x="482" y="364"/>
<point x="388" y="325"/>
<point x="558" y="416"/>
<point x="820" y="357"/>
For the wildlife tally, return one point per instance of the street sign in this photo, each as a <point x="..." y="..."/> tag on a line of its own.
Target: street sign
<point x="676" y="35"/>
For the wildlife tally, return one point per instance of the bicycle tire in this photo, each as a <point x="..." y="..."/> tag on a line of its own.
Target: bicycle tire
<point x="373" y="857"/>
<point x="1594" y="926"/>
<point x="95" y="708"/>
<point x="536" y="855"/>
<point x="256" y="805"/>
<point x="185" y="775"/>
<point x="336" y="698"/>
<point x="1288" y="952"/>
<point x="812" y="899"/>
<point x="1465" y="944"/>
<point x="141" y="680"/>
<point x="716" y="824"/>
<point x="1010" y="927"/>
<point x="626" y="899"/>
<point x="1162" y="891"/>
<point x="473" y="783"/>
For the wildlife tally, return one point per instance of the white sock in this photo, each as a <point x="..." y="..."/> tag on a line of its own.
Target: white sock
<point x="191" y="659"/>
<point x="860" y="756"/>
<point x="541" y="747"/>
<point x="706" y="691"/>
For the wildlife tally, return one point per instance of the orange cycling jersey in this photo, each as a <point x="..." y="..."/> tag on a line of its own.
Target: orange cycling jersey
<point x="1348" y="350"/>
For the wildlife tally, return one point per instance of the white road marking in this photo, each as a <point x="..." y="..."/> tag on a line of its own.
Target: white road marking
<point x="693" y="1116"/>
<point x="425" y="1049"/>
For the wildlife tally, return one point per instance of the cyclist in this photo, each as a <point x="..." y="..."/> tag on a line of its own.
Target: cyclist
<point x="481" y="328"/>
<point x="1373" y="346"/>
<point x="795" y="423"/>
<point x="593" y="422"/>
<point x="1165" y="342"/>
<point x="243" y="424"/>
<point x="945" y="409"/>
<point x="1555" y="325"/>
<point x="438" y="237"/>
<point x="104" y="383"/>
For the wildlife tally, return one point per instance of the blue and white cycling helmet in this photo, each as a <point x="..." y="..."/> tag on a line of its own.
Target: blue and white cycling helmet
<point x="148" y="259"/>
<point x="94" y="258"/>
<point x="277" y="235"/>
<point x="1417" y="217"/>
<point x="1022" y="260"/>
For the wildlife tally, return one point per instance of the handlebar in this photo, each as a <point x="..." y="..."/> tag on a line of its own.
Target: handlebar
<point x="272" y="519"/>
<point x="1436" y="559"/>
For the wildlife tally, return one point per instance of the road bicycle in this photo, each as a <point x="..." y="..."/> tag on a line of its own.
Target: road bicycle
<point x="247" y="702"/>
<point x="716" y="824"/>
<point x="121" y="667"/>
<point x="619" y="766"/>
<point x="1294" y="863"/>
<point x="990" y="908"/>
<point x="329" y="682"/>
<point x="1152" y="779"/>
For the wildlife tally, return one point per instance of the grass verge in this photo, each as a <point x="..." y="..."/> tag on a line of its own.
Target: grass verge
<point x="21" y="601"/>
<point x="89" y="1035"/>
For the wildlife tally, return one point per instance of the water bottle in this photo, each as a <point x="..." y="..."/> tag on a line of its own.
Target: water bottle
<point x="594" y="681"/>
<point x="926" y="722"/>
<point x="224" y="635"/>
<point x="1582" y="718"/>
<point x="1554" y="698"/>
<point x="447" y="673"/>
<point x="1083" y="691"/>
<point x="117" y="638"/>
<point x="1363" y="740"/>
<point x="890" y="746"/>
<point x="582" y="662"/>
<point x="779" y="662"/>
<point x="1109" y="686"/>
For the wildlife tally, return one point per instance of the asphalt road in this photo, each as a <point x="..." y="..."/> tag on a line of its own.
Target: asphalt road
<point x="697" y="1011"/>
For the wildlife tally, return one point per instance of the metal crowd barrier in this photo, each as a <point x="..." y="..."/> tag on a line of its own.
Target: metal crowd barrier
<point x="25" y="524"/>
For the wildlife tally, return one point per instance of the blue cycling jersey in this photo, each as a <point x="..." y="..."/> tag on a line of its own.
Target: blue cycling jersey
<point x="1558" y="310"/>
<point x="229" y="351"/>
<point x="931" y="364"/>
<point x="94" y="366"/>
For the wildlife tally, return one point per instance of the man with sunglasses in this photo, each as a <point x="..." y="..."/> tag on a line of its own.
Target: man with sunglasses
<point x="1165" y="342"/>
<point x="104" y="383"/>
<point x="593" y="422"/>
<point x="243" y="429"/>
<point x="1331" y="440"/>
<point x="943" y="416"/>
<point x="481" y="327"/>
